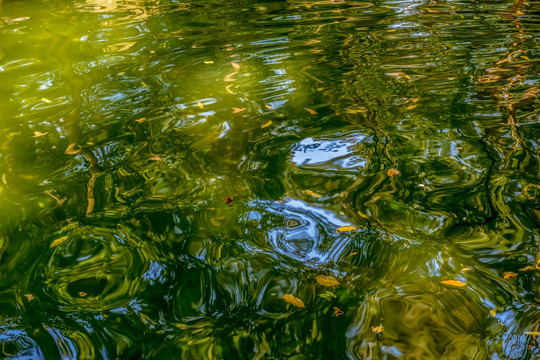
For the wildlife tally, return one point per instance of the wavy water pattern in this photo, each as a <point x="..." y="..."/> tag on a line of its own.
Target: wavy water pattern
<point x="170" y="170"/>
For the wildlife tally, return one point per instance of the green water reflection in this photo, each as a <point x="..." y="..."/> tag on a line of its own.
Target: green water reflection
<point x="169" y="170"/>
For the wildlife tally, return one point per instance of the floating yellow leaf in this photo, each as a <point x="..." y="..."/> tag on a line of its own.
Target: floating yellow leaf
<point x="269" y="107"/>
<point x="532" y="333"/>
<point x="509" y="275"/>
<point x="267" y="124"/>
<point x="453" y="283"/>
<point x="30" y="297"/>
<point x="345" y="229"/>
<point x="293" y="300"/>
<point x="353" y="253"/>
<point x="238" y="110"/>
<point x="308" y="6"/>
<point x="492" y="313"/>
<point x="338" y="312"/>
<point x="141" y="120"/>
<point x="82" y="294"/>
<point x="412" y="106"/>
<point x="377" y="329"/>
<point x="392" y="172"/>
<point x="326" y="280"/>
<point x="312" y="112"/>
<point x="415" y="100"/>
<point x="38" y="134"/>
<point x="121" y="73"/>
<point x="45" y="100"/>
<point x="199" y="104"/>
<point x="155" y="158"/>
<point x="466" y="269"/>
<point x="312" y="193"/>
<point x="362" y="214"/>
<point x="59" y="241"/>
<point x="209" y="62"/>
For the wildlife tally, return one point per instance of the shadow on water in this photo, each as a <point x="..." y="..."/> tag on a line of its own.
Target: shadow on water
<point x="170" y="170"/>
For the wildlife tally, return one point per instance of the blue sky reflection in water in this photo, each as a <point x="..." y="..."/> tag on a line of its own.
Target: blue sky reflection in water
<point x="170" y="170"/>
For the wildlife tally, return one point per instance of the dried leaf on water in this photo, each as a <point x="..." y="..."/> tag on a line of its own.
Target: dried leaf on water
<point x="308" y="6"/>
<point x="312" y="193"/>
<point x="30" y="297"/>
<point x="338" y="312"/>
<point x="82" y="294"/>
<point x="155" y="158"/>
<point x="267" y="124"/>
<point x="466" y="269"/>
<point x="509" y="275"/>
<point x="238" y="110"/>
<point x="412" y="106"/>
<point x="345" y="229"/>
<point x="312" y="112"/>
<point x="453" y="283"/>
<point x="353" y="253"/>
<point x="269" y="107"/>
<point x="392" y="172"/>
<point x="141" y="120"/>
<point x="59" y="241"/>
<point x="199" y="104"/>
<point x="492" y="313"/>
<point x="209" y="62"/>
<point x="38" y="134"/>
<point x="293" y="300"/>
<point x="527" y="268"/>
<point x="326" y="280"/>
<point x="377" y="329"/>
<point x="362" y="214"/>
<point x="45" y="100"/>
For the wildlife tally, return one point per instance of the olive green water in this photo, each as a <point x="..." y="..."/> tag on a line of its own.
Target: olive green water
<point x="169" y="170"/>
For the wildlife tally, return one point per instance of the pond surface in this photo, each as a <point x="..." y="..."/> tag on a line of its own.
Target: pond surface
<point x="171" y="172"/>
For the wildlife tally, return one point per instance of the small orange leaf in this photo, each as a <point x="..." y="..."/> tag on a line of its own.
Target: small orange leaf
<point x="293" y="300"/>
<point x="199" y="104"/>
<point x="308" y="6"/>
<point x="267" y="124"/>
<point x="345" y="229"/>
<point x="141" y="120"/>
<point x="238" y="110"/>
<point x="527" y="268"/>
<point x="453" y="283"/>
<point x="412" y="106"/>
<point x="30" y="297"/>
<point x="353" y="253"/>
<point x="312" y="112"/>
<point x="377" y="329"/>
<point x="38" y="134"/>
<point x="82" y="294"/>
<point x="492" y="313"/>
<point x="466" y="269"/>
<point x="155" y="158"/>
<point x="326" y="280"/>
<point x="509" y="275"/>
<point x="338" y="312"/>
<point x="392" y="172"/>
<point x="59" y="241"/>
<point x="312" y="193"/>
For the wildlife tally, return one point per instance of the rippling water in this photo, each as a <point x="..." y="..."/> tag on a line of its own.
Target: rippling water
<point x="169" y="170"/>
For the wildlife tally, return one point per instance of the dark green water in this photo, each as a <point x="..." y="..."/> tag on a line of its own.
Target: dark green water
<point x="121" y="150"/>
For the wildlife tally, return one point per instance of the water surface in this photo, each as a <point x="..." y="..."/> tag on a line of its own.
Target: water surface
<point x="169" y="170"/>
